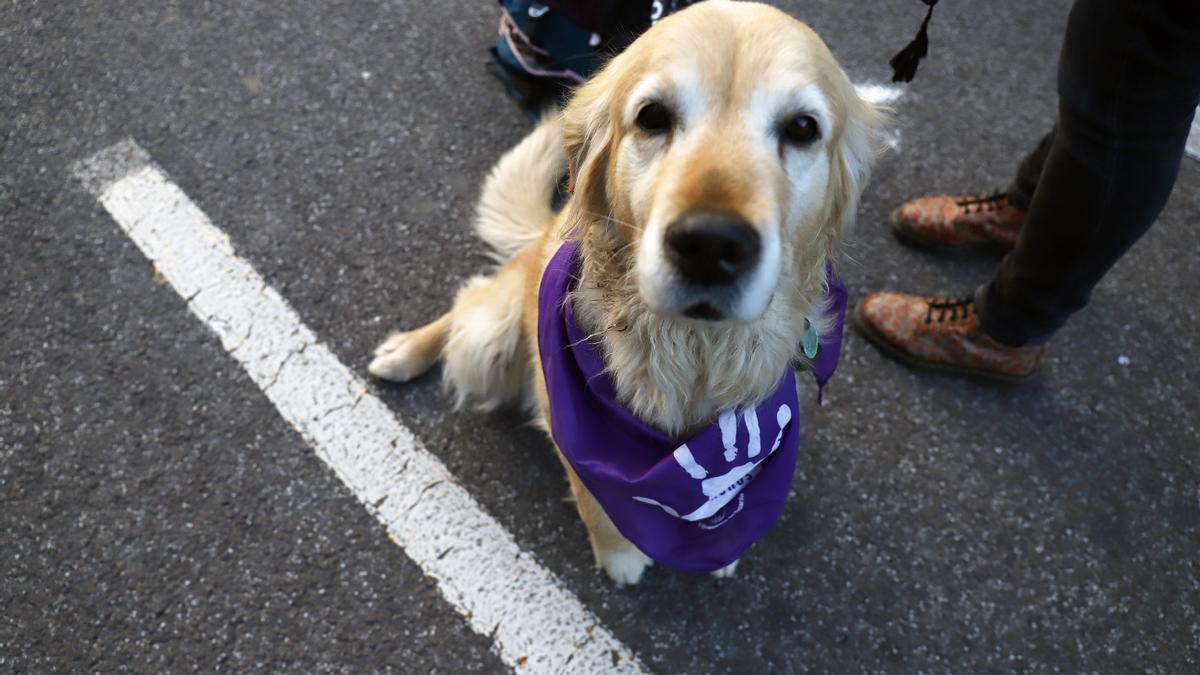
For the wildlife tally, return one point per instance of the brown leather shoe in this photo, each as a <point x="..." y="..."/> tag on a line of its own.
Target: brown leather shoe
<point x="942" y="222"/>
<point x="941" y="334"/>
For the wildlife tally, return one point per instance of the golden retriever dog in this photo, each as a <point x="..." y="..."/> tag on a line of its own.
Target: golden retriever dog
<point x="712" y="167"/>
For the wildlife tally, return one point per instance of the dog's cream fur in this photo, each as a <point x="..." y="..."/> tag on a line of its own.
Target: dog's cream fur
<point x="729" y="72"/>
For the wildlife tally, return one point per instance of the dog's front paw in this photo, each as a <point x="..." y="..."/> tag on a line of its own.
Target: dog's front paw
<point x="624" y="566"/>
<point x="726" y="571"/>
<point x="401" y="358"/>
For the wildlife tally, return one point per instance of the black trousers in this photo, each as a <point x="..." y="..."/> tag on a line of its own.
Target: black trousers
<point x="1128" y="86"/>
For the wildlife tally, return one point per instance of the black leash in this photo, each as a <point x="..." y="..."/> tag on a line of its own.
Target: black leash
<point x="904" y="64"/>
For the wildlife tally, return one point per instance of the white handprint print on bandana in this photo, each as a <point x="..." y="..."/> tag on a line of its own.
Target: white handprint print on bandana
<point x="720" y="490"/>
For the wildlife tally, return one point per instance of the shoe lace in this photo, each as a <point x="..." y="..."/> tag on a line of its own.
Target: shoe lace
<point x="983" y="203"/>
<point x="948" y="309"/>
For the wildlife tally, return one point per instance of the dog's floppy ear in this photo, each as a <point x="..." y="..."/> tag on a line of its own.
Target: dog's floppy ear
<point x="854" y="153"/>
<point x="588" y="137"/>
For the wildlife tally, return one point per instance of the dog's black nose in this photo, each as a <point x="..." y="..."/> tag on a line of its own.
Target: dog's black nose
<point x="712" y="247"/>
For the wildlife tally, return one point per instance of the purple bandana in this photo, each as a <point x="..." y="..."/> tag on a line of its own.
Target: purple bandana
<point x="695" y="505"/>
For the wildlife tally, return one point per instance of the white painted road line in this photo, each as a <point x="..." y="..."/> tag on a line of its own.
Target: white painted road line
<point x="537" y="625"/>
<point x="887" y="94"/>
<point x="883" y="95"/>
<point x="879" y="94"/>
<point x="1193" y="141"/>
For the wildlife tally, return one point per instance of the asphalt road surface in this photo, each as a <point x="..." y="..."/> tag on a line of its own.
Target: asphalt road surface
<point x="159" y="513"/>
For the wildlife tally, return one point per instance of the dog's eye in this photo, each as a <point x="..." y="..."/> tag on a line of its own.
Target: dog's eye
<point x="800" y="129"/>
<point x="654" y="118"/>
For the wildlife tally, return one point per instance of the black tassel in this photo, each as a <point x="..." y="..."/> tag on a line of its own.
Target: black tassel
<point x="904" y="64"/>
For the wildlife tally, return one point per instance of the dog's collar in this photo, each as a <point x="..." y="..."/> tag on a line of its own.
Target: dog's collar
<point x="672" y="498"/>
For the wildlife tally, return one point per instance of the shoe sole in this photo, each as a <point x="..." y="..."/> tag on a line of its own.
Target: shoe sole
<point x="907" y="238"/>
<point x="872" y="334"/>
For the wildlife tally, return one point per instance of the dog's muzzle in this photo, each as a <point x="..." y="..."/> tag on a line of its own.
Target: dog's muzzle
<point x="709" y="265"/>
<point x="712" y="248"/>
